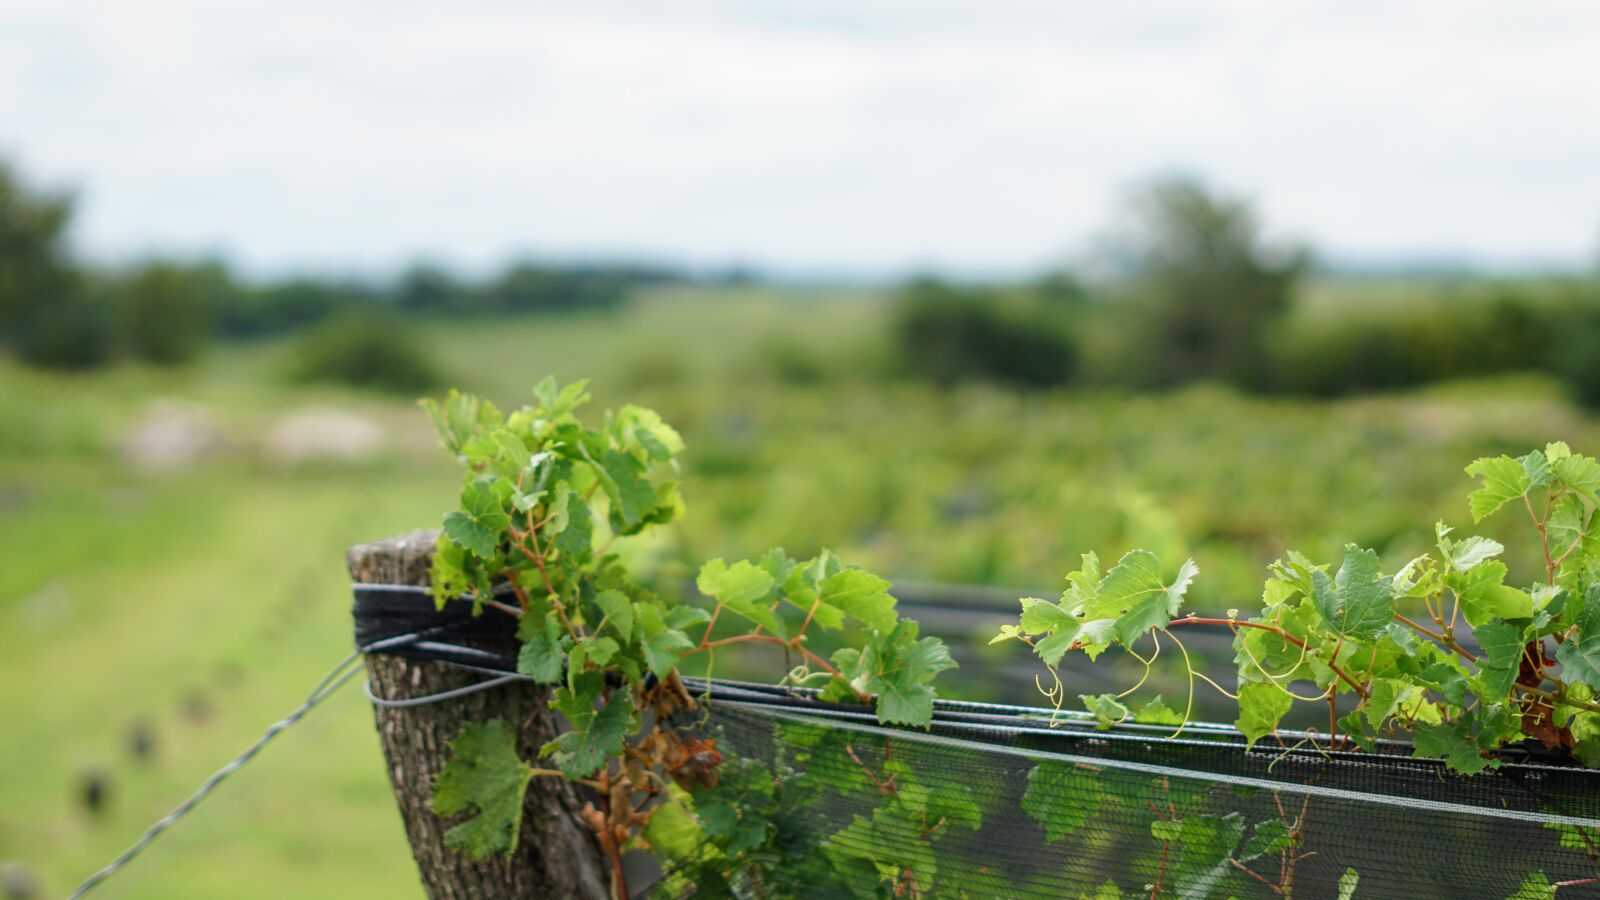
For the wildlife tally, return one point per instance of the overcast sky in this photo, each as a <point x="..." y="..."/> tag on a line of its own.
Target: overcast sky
<point x="866" y="135"/>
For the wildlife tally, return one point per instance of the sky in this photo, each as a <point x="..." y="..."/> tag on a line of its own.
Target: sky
<point x="867" y="136"/>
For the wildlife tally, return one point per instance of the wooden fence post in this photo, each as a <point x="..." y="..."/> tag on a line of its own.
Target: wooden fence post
<point x="556" y="856"/>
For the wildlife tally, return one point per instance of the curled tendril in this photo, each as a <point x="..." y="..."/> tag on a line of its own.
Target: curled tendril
<point x="1056" y="695"/>
<point x="799" y="675"/>
<point x="1277" y="680"/>
<point x="1188" y="710"/>
<point x="1148" y="664"/>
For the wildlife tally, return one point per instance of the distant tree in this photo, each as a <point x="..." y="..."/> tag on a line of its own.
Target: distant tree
<point x="1060" y="286"/>
<point x="164" y="311"/>
<point x="366" y="348"/>
<point x="947" y="334"/>
<point x="1206" y="289"/>
<point x="45" y="314"/>
<point x="530" y="287"/>
<point x="287" y="305"/>
<point x="525" y="286"/>
<point x="426" y="287"/>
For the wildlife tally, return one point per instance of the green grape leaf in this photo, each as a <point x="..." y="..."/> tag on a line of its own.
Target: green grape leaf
<point x="1484" y="597"/>
<point x="1094" y="637"/>
<point x="1083" y="584"/>
<point x="661" y="639"/>
<point x="1044" y="617"/>
<point x="1167" y="830"/>
<point x="1536" y="886"/>
<point x="947" y="799"/>
<point x="555" y="401"/>
<point x="618" y="610"/>
<point x="896" y="668"/>
<point x="1464" y="554"/>
<point x="1007" y="633"/>
<point x="486" y="778"/>
<point x="1108" y="711"/>
<point x="593" y="734"/>
<point x="480" y="521"/>
<point x="1501" y="658"/>
<point x="1565" y="527"/>
<point x="1157" y="713"/>
<point x="860" y="595"/>
<point x="644" y="429"/>
<point x="1447" y="679"/>
<point x="1061" y="797"/>
<point x="1504" y="480"/>
<point x="626" y="483"/>
<point x="1452" y="743"/>
<point x="1257" y="649"/>
<point x="598" y="650"/>
<point x="672" y="830"/>
<point x="1262" y="706"/>
<point x="1133" y="594"/>
<point x="1358" y="601"/>
<point x="1347" y="884"/>
<point x="891" y="835"/>
<point x="1052" y="648"/>
<point x="1208" y="843"/>
<point x="541" y="657"/>
<point x="1271" y="836"/>
<point x="455" y="572"/>
<point x="1108" y="890"/>
<point x="1579" y="655"/>
<point x="743" y="588"/>
<point x="1537" y="467"/>
<point x="460" y="418"/>
<point x="570" y="521"/>
<point x="1581" y="474"/>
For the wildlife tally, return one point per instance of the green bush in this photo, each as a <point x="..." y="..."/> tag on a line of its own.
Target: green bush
<point x="366" y="349"/>
<point x="791" y="362"/>
<point x="44" y="314"/>
<point x="946" y="334"/>
<point x="164" y="314"/>
<point x="1430" y="340"/>
<point x="72" y="332"/>
<point x="1577" y="359"/>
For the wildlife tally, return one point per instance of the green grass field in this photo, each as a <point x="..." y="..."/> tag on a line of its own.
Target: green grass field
<point x="207" y="599"/>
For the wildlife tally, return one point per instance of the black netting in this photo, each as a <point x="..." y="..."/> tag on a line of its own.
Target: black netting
<point x="992" y="801"/>
<point x="818" y="800"/>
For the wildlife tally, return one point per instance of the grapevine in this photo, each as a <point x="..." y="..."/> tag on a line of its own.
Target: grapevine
<point x="1442" y="650"/>
<point x="545" y="497"/>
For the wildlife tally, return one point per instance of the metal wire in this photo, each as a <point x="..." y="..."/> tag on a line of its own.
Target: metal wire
<point x="336" y="678"/>
<point x="442" y="695"/>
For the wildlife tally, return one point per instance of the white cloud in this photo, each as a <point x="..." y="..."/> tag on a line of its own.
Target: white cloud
<point x="978" y="133"/>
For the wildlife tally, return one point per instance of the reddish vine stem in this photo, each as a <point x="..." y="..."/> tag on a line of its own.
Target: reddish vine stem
<point x="791" y="644"/>
<point x="1161" y="873"/>
<point x="1442" y="640"/>
<point x="1544" y="537"/>
<point x="1198" y="620"/>
<point x="1245" y="869"/>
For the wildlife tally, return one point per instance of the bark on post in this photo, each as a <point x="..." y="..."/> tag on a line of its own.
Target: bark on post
<point x="556" y="855"/>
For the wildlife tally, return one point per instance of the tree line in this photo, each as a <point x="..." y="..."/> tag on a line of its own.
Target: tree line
<point x="57" y="311"/>
<point x="1198" y="294"/>
<point x="1194" y="292"/>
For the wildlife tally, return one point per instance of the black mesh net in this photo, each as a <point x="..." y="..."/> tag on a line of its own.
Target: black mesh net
<point x="818" y="800"/>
